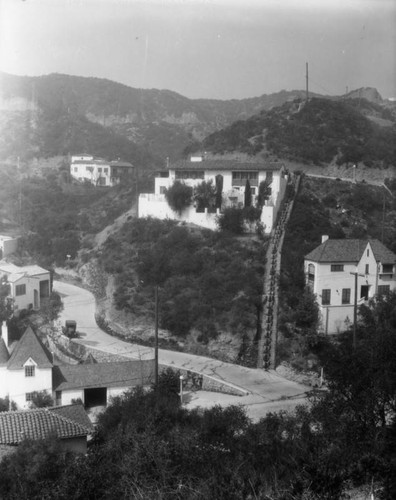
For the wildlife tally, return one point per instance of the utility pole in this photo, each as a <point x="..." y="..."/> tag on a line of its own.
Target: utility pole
<point x="306" y="78"/>
<point x="356" y="274"/>
<point x="156" y="340"/>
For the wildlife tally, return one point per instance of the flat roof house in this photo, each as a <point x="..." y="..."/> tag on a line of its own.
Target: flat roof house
<point x="330" y="271"/>
<point x="100" y="172"/>
<point x="228" y="176"/>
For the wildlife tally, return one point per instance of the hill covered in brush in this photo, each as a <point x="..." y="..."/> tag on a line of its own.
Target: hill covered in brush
<point x="317" y="131"/>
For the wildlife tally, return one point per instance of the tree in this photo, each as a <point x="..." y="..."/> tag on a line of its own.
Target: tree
<point x="5" y="302"/>
<point x="179" y="196"/>
<point x="205" y="195"/>
<point x="264" y="192"/>
<point x="232" y="220"/>
<point x="41" y="399"/>
<point x="248" y="194"/>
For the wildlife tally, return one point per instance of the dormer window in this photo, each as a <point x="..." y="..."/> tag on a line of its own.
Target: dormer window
<point x="387" y="268"/>
<point x="30" y="371"/>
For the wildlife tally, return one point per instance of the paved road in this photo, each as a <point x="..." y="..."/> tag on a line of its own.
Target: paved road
<point x="267" y="391"/>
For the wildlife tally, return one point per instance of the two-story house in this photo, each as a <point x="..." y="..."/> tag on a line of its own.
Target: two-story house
<point x="336" y="267"/>
<point x="29" y="285"/>
<point x="27" y="367"/>
<point x="231" y="175"/>
<point x="99" y="172"/>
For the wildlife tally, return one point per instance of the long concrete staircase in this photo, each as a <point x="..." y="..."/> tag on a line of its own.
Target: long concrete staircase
<point x="266" y="357"/>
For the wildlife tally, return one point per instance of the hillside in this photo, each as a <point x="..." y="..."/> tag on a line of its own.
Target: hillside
<point x="160" y="122"/>
<point x="319" y="131"/>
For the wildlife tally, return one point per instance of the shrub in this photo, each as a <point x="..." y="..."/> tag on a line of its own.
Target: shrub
<point x="232" y="220"/>
<point x="179" y="196"/>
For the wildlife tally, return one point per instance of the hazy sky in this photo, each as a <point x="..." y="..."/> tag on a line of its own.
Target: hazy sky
<point x="206" y="48"/>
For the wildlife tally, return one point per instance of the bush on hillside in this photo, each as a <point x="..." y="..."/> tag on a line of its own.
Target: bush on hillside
<point x="179" y="196"/>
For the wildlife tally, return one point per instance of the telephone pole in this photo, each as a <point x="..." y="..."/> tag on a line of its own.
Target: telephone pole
<point x="356" y="274"/>
<point x="156" y="340"/>
<point x="306" y="78"/>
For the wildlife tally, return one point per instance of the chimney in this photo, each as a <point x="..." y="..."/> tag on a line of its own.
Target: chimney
<point x="325" y="237"/>
<point x="4" y="333"/>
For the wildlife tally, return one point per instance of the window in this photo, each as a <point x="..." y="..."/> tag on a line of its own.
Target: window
<point x="189" y="174"/>
<point x="20" y="290"/>
<point x="75" y="169"/>
<point x="99" y="170"/>
<point x="89" y="169"/>
<point x="383" y="289"/>
<point x="367" y="269"/>
<point x="368" y="252"/>
<point x="346" y="295"/>
<point x="311" y="272"/>
<point x="269" y="177"/>
<point x="30" y="371"/>
<point x="387" y="268"/>
<point x="326" y="295"/>
<point x="105" y="170"/>
<point x="29" y="396"/>
<point x="244" y="176"/>
<point x="336" y="267"/>
<point x="162" y="189"/>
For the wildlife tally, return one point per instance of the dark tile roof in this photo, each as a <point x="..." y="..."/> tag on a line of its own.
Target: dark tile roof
<point x="225" y="165"/>
<point x="120" y="164"/>
<point x="74" y="412"/>
<point x="350" y="250"/>
<point x="29" y="346"/>
<point x="381" y="253"/>
<point x="4" y="355"/>
<point x="39" y="424"/>
<point x="117" y="374"/>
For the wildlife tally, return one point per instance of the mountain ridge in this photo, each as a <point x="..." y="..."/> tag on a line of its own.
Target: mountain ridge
<point x="157" y="124"/>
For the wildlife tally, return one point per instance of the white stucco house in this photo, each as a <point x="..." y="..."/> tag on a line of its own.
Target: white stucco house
<point x="331" y="270"/>
<point x="99" y="172"/>
<point x="29" y="285"/>
<point x="231" y="175"/>
<point x="28" y="367"/>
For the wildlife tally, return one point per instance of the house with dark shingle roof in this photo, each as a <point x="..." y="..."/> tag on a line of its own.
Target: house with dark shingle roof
<point x="70" y="424"/>
<point x="28" y="368"/>
<point x="331" y="269"/>
<point x="229" y="176"/>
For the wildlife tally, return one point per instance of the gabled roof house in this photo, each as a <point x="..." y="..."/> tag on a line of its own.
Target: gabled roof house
<point x="332" y="268"/>
<point x="229" y="177"/>
<point x="27" y="367"/>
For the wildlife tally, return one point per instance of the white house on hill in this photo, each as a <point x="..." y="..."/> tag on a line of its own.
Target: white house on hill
<point x="331" y="269"/>
<point x="29" y="285"/>
<point x="231" y="175"/>
<point x="100" y="172"/>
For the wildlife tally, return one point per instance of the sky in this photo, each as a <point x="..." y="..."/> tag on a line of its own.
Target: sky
<point x="223" y="49"/>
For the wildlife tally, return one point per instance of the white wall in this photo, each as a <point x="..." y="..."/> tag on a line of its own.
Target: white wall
<point x="70" y="394"/>
<point x="19" y="385"/>
<point x="8" y="245"/>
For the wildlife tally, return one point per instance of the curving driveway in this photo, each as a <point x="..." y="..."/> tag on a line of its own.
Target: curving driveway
<point x="267" y="391"/>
